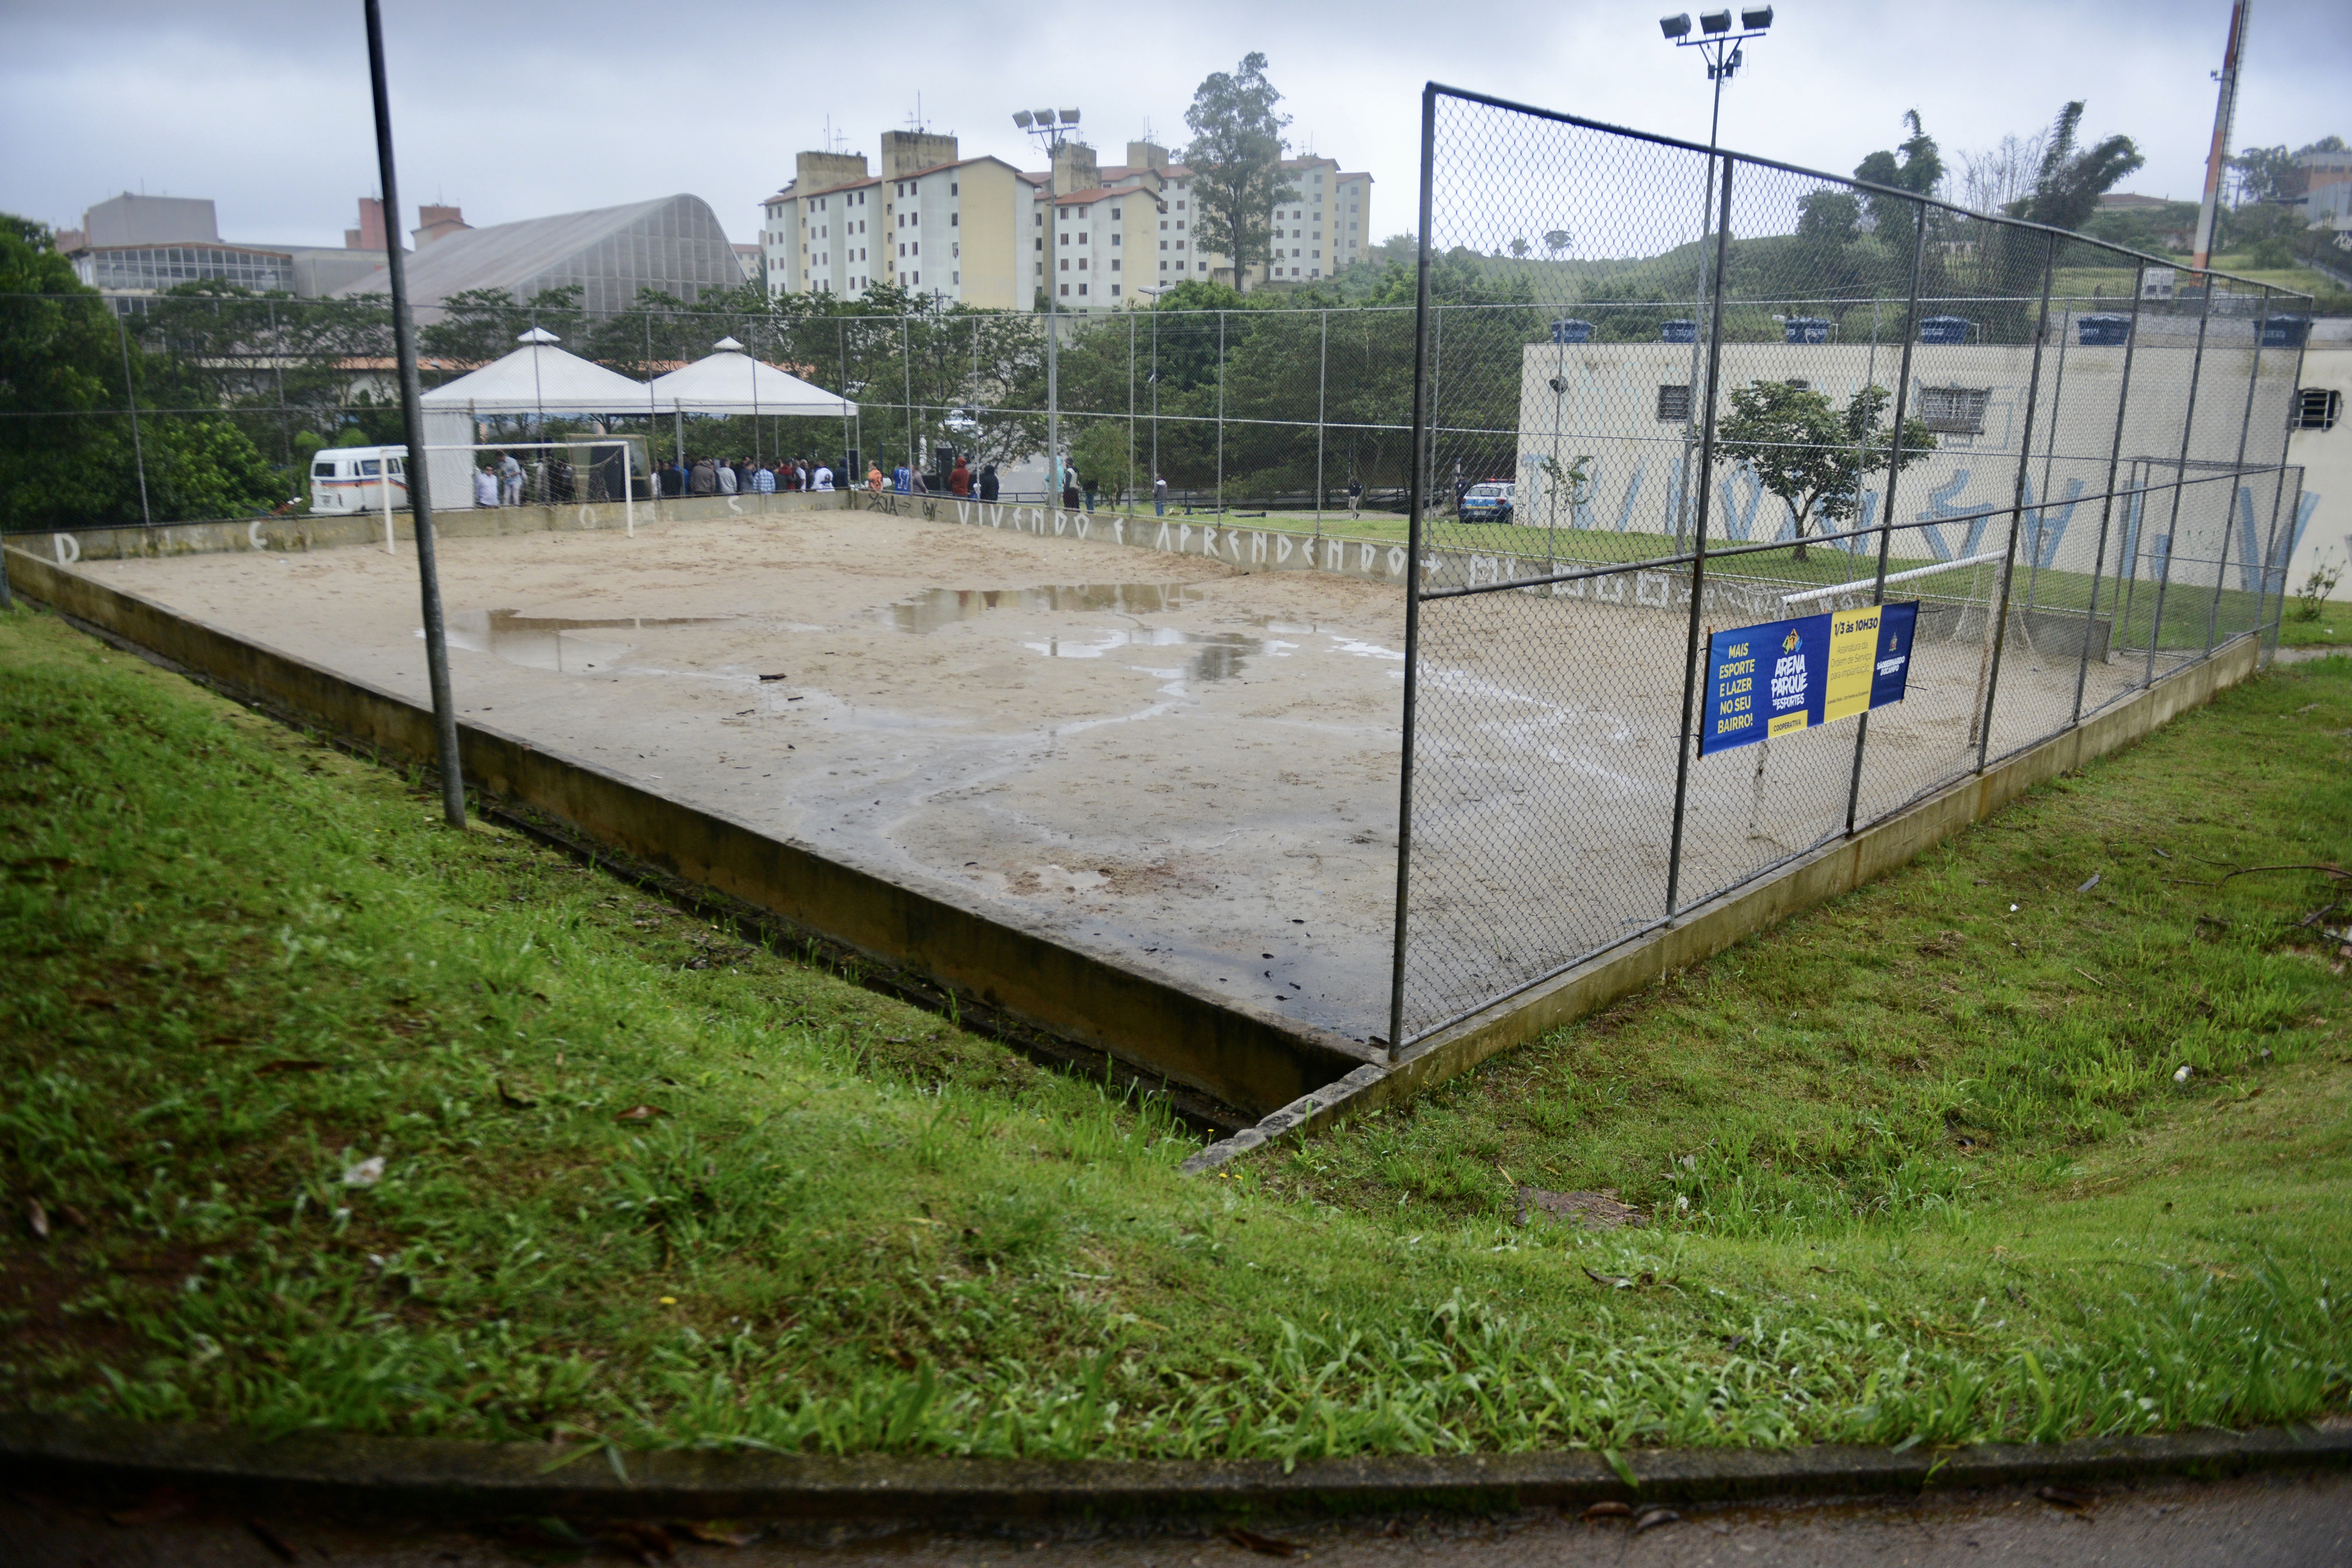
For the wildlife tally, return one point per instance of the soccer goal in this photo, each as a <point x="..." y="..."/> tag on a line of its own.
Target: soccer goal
<point x="585" y="470"/>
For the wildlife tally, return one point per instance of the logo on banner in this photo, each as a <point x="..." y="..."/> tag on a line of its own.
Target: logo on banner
<point x="1789" y="673"/>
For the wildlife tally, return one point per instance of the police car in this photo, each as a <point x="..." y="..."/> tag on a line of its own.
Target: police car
<point x="1487" y="501"/>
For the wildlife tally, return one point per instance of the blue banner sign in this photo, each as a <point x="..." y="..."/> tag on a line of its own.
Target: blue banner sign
<point x="1785" y="676"/>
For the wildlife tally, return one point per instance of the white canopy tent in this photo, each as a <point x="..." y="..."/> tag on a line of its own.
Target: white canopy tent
<point x="537" y="378"/>
<point x="732" y="381"/>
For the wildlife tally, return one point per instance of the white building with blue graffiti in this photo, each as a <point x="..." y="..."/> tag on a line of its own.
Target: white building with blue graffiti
<point x="2198" y="440"/>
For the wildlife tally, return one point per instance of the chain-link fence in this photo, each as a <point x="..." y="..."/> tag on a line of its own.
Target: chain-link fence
<point x="1686" y="491"/>
<point x="209" y="402"/>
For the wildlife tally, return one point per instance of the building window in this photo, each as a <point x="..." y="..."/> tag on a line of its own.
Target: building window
<point x="1796" y="385"/>
<point x="2317" y="408"/>
<point x="1954" y="410"/>
<point x="955" y="220"/>
<point x="956" y="279"/>
<point x="1114" y="290"/>
<point x="1114" y="264"/>
<point x="1116" y="238"/>
<point x="952" y="187"/>
<point x="1674" y="403"/>
<point x="1065" y="289"/>
<point x="1082" y="289"/>
<point x="918" y="279"/>
<point x="1066" y="264"/>
<point x="1065" y="237"/>
<point x="1113" y="215"/>
<point x="1082" y="264"/>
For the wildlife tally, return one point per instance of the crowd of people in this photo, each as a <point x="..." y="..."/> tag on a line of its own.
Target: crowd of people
<point x="744" y="476"/>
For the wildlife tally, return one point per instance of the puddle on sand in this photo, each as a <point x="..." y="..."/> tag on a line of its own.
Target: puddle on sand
<point x="554" y="642"/>
<point x="1216" y="656"/>
<point x="936" y="607"/>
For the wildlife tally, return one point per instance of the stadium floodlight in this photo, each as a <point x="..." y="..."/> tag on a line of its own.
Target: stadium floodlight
<point x="1045" y="118"/>
<point x="1756" y="19"/>
<point x="1024" y="119"/>
<point x="1069" y="117"/>
<point x="1675" y="26"/>
<point x="1714" y="21"/>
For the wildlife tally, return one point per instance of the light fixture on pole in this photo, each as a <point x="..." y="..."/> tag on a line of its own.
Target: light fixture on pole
<point x="1719" y="46"/>
<point x="1155" y="294"/>
<point x="1051" y="128"/>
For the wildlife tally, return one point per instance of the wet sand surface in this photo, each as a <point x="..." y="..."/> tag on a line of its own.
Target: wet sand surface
<point x="1164" y="757"/>
<point x="1180" y="762"/>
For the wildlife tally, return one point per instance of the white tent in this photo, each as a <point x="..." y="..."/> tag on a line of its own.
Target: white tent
<point x="539" y="377"/>
<point x="732" y="381"/>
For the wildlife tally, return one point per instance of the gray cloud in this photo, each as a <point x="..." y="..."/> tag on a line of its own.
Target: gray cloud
<point x="516" y="112"/>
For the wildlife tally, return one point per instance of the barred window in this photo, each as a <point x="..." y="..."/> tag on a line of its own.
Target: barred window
<point x="1674" y="403"/>
<point x="1954" y="410"/>
<point x="2317" y="408"/>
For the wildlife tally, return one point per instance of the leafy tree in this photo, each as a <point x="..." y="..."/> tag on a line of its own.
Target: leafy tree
<point x="1236" y="156"/>
<point x="1555" y="241"/>
<point x="2265" y="174"/>
<point x="1519" y="246"/>
<point x="1916" y="165"/>
<point x="1811" y="455"/>
<point x="479" y="325"/>
<point x="2072" y="178"/>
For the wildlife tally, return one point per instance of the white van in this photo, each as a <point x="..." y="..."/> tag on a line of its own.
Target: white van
<point x="352" y="478"/>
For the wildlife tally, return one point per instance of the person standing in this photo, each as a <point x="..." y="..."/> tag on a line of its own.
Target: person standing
<point x="1159" y="495"/>
<point x="1355" y="496"/>
<point x="728" y="479"/>
<point x="821" y="479"/>
<point x="1069" y="490"/>
<point x="874" y="478"/>
<point x="509" y="480"/>
<point x="1090" y="486"/>
<point x="989" y="483"/>
<point x="764" y="481"/>
<point x="703" y="481"/>
<point x="959" y="480"/>
<point x="485" y="486"/>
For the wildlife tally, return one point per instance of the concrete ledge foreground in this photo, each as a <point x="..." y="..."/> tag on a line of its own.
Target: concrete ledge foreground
<point x="347" y="1473"/>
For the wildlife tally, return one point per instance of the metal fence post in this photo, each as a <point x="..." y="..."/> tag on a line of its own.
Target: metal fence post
<point x="1894" y="477"/>
<point x="2180" y="478"/>
<point x="420" y="494"/>
<point x="2230" y="512"/>
<point x="1699" y="549"/>
<point x="2000" y="631"/>
<point x="2108" y="502"/>
<point x="131" y="399"/>
<point x="1413" y="579"/>
<point x="1322" y="388"/>
<point x="1130" y="408"/>
<point x="1221" y="413"/>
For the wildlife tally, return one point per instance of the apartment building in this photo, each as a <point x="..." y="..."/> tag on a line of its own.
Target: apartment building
<point x="978" y="231"/>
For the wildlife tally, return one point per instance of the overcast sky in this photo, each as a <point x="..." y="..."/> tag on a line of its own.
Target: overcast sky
<point x="517" y="111"/>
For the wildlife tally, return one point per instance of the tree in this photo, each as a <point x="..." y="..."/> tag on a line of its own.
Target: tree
<point x="1812" y="455"/>
<point x="1920" y="169"/>
<point x="1555" y="241"/>
<point x="2072" y="178"/>
<point x="1519" y="246"/>
<point x="1236" y="161"/>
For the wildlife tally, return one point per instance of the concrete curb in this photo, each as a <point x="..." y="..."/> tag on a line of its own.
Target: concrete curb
<point x="356" y="1474"/>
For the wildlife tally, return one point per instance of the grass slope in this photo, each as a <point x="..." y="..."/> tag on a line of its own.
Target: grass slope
<point x="641" y="1185"/>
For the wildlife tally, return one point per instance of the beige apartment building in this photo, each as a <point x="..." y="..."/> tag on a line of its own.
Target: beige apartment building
<point x="977" y="231"/>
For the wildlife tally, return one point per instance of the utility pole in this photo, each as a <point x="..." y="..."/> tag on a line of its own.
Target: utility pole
<point x="2217" y="157"/>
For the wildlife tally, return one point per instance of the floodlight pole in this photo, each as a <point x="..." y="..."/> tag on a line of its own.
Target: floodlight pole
<point x="411" y="416"/>
<point x="1051" y="134"/>
<point x="1723" y="57"/>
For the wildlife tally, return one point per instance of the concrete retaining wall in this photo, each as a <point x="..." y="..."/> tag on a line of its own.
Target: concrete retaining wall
<point x="1247" y="1060"/>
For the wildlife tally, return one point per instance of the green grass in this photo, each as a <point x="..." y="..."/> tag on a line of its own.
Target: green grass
<point x="1937" y="1188"/>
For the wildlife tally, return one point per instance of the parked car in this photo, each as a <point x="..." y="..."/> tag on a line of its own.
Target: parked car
<point x="1488" y="500"/>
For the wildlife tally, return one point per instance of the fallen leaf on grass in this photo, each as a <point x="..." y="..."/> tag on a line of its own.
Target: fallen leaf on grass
<point x="1265" y="1546"/>
<point x="1655" y="1517"/>
<point x="1602" y="1511"/>
<point x="36" y="1218"/>
<point x="286" y="1065"/>
<point x="1622" y="1281"/>
<point x="641" y="1113"/>
<point x="2067" y="1497"/>
<point x="273" y="1541"/>
<point x="366" y="1173"/>
<point x="1593" y="1211"/>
